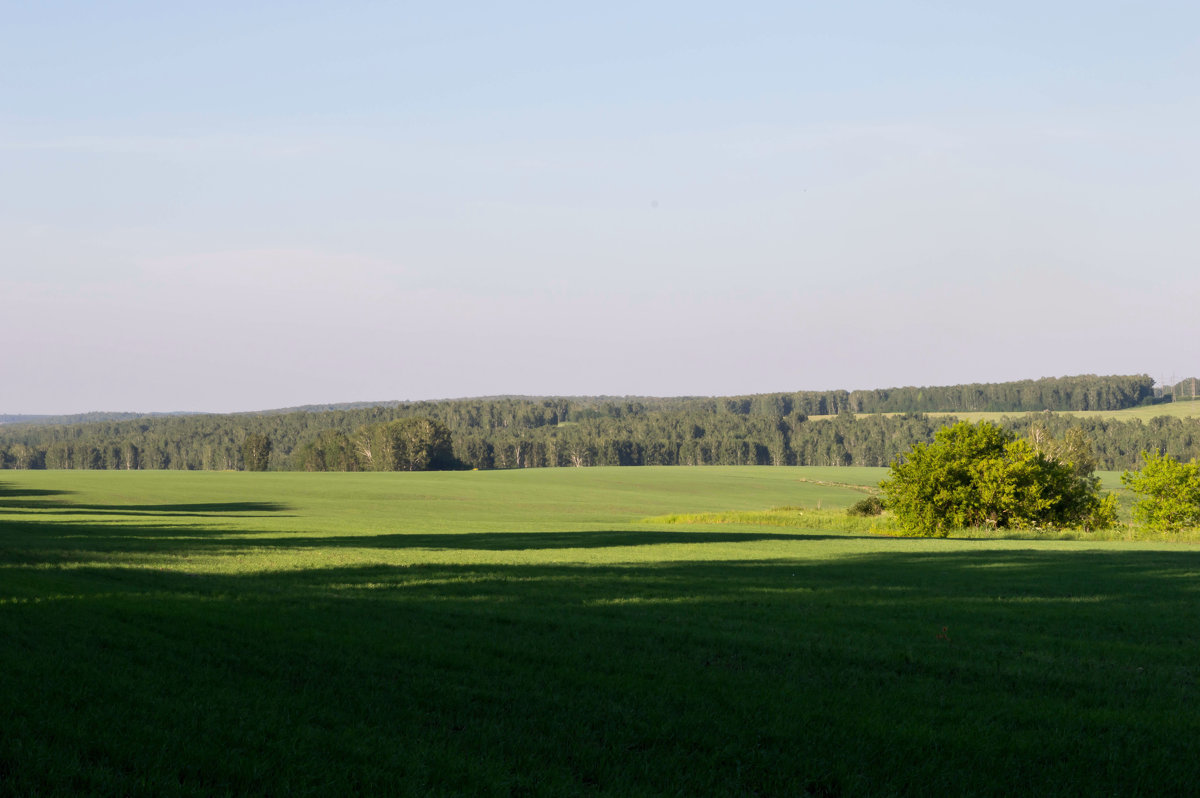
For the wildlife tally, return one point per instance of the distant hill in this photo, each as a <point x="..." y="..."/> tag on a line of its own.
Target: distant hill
<point x="1087" y="392"/>
<point x="392" y="403"/>
<point x="82" y="418"/>
<point x="322" y="408"/>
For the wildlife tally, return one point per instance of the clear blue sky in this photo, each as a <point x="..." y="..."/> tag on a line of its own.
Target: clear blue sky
<point x="234" y="206"/>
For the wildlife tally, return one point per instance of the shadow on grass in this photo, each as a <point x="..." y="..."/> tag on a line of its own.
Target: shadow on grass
<point x="42" y="530"/>
<point x="198" y="510"/>
<point x="16" y="499"/>
<point x="521" y="541"/>
<point x="956" y="672"/>
<point x="58" y="542"/>
<point x="968" y="670"/>
<point x="8" y="490"/>
<point x="50" y="535"/>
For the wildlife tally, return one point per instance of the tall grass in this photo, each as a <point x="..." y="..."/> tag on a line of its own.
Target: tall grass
<point x="787" y="517"/>
<point x="801" y="518"/>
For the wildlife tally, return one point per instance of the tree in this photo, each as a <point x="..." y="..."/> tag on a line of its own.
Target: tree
<point x="407" y="444"/>
<point x="1074" y="482"/>
<point x="24" y="456"/>
<point x="1169" y="491"/>
<point x="256" y="452"/>
<point x="58" y="455"/>
<point x="420" y="444"/>
<point x="335" y="450"/>
<point x="981" y="475"/>
<point x="128" y="455"/>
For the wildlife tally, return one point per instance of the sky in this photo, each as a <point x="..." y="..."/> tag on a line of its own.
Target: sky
<point x="236" y="206"/>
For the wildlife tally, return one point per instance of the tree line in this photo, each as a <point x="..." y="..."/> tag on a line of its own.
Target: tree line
<point x="520" y="432"/>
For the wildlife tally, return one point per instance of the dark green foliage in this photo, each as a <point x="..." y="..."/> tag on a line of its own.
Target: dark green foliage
<point x="407" y="444"/>
<point x="507" y="432"/>
<point x="256" y="452"/>
<point x="981" y="475"/>
<point x="872" y="505"/>
<point x="695" y="433"/>
<point x="331" y="451"/>
<point x="1087" y="392"/>
<point x="1169" y="492"/>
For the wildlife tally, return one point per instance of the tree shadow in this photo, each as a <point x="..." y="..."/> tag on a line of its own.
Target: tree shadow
<point x="59" y="541"/>
<point x="960" y="672"/>
<point x="8" y="490"/>
<point x="50" y="533"/>
<point x="198" y="510"/>
<point x="34" y="530"/>
<point x="964" y="668"/>
<point x="523" y="541"/>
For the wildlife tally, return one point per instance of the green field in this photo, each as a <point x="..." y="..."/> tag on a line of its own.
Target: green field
<point x="530" y="633"/>
<point x="1188" y="409"/>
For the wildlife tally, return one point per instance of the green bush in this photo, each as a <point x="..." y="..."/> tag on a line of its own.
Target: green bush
<point x="1169" y="491"/>
<point x="872" y="505"/>
<point x="982" y="476"/>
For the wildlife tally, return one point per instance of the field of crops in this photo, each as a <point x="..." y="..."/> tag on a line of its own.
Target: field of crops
<point x="532" y="632"/>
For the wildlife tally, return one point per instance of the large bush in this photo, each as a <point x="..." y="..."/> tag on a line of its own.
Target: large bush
<point x="983" y="476"/>
<point x="1169" y="491"/>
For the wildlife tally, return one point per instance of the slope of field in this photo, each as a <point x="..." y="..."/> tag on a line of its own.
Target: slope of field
<point x="521" y="632"/>
<point x="1187" y="409"/>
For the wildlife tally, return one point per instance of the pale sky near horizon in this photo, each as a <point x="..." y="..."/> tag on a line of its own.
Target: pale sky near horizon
<point x="237" y="206"/>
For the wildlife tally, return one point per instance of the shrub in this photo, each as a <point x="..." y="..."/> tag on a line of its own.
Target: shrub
<point x="1169" y="491"/>
<point x="872" y="505"/>
<point x="982" y="476"/>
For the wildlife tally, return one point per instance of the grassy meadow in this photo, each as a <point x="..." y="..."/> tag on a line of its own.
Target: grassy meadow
<point x="1181" y="409"/>
<point x="550" y="632"/>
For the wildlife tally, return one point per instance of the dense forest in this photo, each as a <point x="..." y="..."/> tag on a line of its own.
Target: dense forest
<point x="802" y="428"/>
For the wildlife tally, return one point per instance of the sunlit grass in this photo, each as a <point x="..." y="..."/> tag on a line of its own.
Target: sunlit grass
<point x="788" y="517"/>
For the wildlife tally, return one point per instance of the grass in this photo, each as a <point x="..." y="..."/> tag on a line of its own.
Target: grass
<point x="786" y="517"/>
<point x="808" y="518"/>
<point x="867" y="479"/>
<point x="532" y="633"/>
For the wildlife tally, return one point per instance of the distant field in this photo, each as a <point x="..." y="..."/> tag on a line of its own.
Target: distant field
<point x="1171" y="409"/>
<point x="523" y="632"/>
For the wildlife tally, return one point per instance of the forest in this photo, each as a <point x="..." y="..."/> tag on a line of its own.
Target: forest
<point x="828" y="428"/>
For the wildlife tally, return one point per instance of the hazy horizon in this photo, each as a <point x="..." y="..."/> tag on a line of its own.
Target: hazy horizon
<point x="379" y="402"/>
<point x="230" y="208"/>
